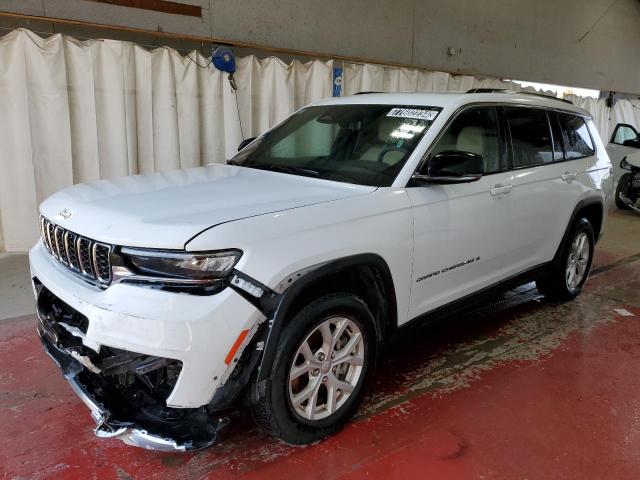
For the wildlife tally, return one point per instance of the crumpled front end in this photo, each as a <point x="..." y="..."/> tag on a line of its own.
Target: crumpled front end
<point x="125" y="391"/>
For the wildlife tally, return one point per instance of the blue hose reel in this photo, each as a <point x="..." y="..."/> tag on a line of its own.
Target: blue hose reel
<point x="224" y="60"/>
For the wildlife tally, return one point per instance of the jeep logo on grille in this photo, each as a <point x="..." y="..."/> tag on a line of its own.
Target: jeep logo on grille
<point x="66" y="213"/>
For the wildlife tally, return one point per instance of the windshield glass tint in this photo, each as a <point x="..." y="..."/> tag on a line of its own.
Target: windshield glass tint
<point x="362" y="144"/>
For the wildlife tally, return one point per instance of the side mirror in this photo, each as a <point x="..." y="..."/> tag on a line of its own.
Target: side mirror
<point x="633" y="142"/>
<point x="452" y="166"/>
<point x="246" y="142"/>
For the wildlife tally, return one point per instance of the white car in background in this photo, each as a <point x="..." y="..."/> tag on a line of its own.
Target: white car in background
<point x="624" y="141"/>
<point x="166" y="298"/>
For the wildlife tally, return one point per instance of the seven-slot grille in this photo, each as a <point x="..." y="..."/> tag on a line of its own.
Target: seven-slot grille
<point x="81" y="255"/>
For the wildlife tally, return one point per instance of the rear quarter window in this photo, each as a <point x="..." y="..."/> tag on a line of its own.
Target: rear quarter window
<point x="577" y="140"/>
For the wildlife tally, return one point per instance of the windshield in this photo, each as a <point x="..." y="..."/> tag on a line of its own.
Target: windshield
<point x="362" y="144"/>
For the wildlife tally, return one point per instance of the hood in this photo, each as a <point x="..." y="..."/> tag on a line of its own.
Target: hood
<point x="167" y="209"/>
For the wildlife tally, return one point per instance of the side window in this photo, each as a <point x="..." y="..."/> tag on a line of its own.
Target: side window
<point x="530" y="136"/>
<point x="475" y="130"/>
<point x="577" y="141"/>
<point x="622" y="133"/>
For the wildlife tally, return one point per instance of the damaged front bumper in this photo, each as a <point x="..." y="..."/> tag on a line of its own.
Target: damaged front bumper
<point x="628" y="202"/>
<point x="150" y="425"/>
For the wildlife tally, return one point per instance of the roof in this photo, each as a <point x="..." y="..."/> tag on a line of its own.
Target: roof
<point x="454" y="100"/>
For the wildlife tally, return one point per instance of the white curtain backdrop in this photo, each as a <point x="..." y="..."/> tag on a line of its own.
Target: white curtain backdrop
<point x="624" y="111"/>
<point x="73" y="111"/>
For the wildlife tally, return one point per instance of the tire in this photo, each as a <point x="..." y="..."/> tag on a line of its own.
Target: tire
<point x="623" y="187"/>
<point x="273" y="407"/>
<point x="558" y="283"/>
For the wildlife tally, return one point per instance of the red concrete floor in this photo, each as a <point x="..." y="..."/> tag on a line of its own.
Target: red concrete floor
<point x="520" y="389"/>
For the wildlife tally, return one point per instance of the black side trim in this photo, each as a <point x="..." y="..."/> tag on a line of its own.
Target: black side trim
<point x="581" y="204"/>
<point x="266" y="303"/>
<point x="479" y="297"/>
<point x="286" y="299"/>
<point x="227" y="393"/>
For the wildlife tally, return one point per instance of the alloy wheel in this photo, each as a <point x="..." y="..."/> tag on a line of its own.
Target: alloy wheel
<point x="326" y="368"/>
<point x="578" y="260"/>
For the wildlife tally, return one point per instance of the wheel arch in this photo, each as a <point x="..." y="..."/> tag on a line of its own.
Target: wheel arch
<point x="590" y="208"/>
<point x="594" y="213"/>
<point x="366" y="275"/>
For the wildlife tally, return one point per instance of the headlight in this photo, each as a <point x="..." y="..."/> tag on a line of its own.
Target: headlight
<point x="180" y="267"/>
<point x="195" y="273"/>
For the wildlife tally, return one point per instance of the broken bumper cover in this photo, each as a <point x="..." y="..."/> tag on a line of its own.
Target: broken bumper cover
<point x="128" y="431"/>
<point x="128" y="434"/>
<point x="196" y="330"/>
<point x="628" y="202"/>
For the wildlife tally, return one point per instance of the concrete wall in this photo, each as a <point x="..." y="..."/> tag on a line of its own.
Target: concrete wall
<point x="535" y="40"/>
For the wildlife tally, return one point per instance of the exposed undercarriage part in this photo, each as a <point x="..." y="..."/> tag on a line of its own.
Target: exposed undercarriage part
<point x="628" y="202"/>
<point x="628" y="190"/>
<point x="126" y="391"/>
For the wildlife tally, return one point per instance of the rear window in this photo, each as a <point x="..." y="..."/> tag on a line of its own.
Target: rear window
<point x="577" y="140"/>
<point x="530" y="136"/>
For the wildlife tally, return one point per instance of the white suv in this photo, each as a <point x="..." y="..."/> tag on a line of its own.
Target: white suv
<point x="166" y="298"/>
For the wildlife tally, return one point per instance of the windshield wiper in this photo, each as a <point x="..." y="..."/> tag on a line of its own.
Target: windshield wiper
<point x="307" y="172"/>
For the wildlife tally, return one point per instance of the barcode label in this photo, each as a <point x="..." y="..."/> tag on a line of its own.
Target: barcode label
<point x="415" y="113"/>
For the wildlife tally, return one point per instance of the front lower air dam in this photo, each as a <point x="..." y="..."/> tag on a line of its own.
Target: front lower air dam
<point x="123" y="410"/>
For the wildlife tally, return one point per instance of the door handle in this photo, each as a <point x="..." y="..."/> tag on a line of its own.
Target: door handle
<point x="568" y="177"/>
<point x="498" y="190"/>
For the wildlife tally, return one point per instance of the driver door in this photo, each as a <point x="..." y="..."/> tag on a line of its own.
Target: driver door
<point x="462" y="231"/>
<point x="624" y="141"/>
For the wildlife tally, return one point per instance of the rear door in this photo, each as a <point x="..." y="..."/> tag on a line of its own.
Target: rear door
<point x="624" y="141"/>
<point x="551" y="152"/>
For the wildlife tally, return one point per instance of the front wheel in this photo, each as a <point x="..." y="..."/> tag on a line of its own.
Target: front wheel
<point x="566" y="277"/>
<point x="326" y="352"/>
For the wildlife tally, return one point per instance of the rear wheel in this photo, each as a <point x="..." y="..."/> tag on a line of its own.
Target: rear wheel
<point x="326" y="353"/>
<point x="567" y="276"/>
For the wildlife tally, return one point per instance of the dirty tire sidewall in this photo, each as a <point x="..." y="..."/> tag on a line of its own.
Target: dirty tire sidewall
<point x="284" y="422"/>
<point x="554" y="284"/>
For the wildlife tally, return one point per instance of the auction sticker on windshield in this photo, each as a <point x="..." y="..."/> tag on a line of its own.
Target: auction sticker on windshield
<point x="415" y="113"/>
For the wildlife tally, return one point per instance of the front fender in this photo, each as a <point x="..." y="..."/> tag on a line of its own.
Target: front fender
<point x="281" y="307"/>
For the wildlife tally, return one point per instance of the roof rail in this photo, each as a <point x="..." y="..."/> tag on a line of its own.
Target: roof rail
<point x="521" y="92"/>
<point x="366" y="93"/>
<point x="489" y="90"/>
